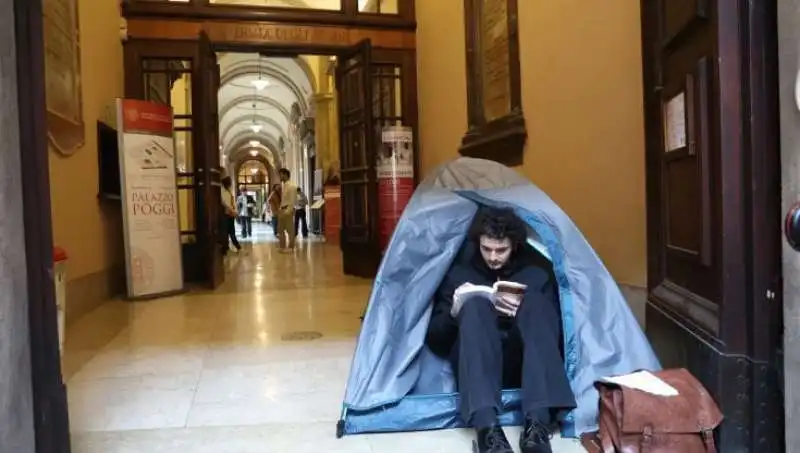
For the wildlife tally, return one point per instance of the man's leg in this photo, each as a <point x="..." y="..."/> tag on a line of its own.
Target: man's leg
<point x="478" y="358"/>
<point x="289" y="228"/>
<point x="545" y="386"/>
<point x="296" y="221"/>
<point x="304" y="221"/>
<point x="282" y="227"/>
<point x="249" y="226"/>
<point x="232" y="232"/>
<point x="479" y="362"/>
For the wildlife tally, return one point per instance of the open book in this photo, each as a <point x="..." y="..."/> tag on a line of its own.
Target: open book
<point x="490" y="291"/>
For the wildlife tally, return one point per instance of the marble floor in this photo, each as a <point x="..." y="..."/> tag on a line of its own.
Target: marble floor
<point x="234" y="370"/>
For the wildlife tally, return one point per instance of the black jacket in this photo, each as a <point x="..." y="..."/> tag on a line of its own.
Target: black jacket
<point x="527" y="267"/>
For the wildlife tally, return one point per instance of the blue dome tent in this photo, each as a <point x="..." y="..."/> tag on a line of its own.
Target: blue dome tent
<point x="396" y="384"/>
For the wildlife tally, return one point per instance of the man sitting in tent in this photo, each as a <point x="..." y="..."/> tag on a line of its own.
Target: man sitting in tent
<point x="503" y="340"/>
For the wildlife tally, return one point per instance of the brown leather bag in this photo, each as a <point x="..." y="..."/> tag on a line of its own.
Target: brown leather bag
<point x="632" y="421"/>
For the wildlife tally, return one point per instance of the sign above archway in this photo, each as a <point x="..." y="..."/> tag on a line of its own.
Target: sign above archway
<point x="259" y="33"/>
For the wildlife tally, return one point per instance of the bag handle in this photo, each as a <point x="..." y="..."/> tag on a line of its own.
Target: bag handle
<point x="708" y="439"/>
<point x="608" y="446"/>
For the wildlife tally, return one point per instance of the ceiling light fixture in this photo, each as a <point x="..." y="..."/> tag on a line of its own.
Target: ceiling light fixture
<point x="254" y="143"/>
<point x="254" y="152"/>
<point x="256" y="128"/>
<point x="260" y="84"/>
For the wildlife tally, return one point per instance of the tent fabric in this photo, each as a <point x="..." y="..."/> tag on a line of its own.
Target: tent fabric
<point x="397" y="384"/>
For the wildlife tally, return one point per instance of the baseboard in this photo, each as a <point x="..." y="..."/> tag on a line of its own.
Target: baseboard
<point x="637" y="300"/>
<point x="88" y="292"/>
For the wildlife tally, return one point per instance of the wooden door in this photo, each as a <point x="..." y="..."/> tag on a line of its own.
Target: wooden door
<point x="713" y="206"/>
<point x="376" y="88"/>
<point x="206" y="116"/>
<point x="50" y="405"/>
<point x="152" y="68"/>
<point x="359" y="234"/>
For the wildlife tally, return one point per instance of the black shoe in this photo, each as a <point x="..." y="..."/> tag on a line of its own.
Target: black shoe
<point x="535" y="438"/>
<point x="492" y="440"/>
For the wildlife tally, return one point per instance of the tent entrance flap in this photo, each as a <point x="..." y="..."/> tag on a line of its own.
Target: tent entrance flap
<point x="397" y="384"/>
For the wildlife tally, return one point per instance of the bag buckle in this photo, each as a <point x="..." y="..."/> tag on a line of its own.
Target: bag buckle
<point x="708" y="439"/>
<point x="647" y="438"/>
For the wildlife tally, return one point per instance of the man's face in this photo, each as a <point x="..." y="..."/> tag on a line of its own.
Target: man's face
<point x="284" y="178"/>
<point x="495" y="252"/>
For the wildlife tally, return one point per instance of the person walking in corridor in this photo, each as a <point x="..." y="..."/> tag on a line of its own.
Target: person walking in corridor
<point x="274" y="201"/>
<point x="242" y="205"/>
<point x="229" y="206"/>
<point x="286" y="235"/>
<point x="300" y="214"/>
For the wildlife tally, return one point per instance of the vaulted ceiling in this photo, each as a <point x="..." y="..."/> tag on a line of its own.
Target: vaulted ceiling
<point x="258" y="98"/>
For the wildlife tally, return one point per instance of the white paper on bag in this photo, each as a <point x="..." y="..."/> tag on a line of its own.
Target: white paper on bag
<point x="644" y="381"/>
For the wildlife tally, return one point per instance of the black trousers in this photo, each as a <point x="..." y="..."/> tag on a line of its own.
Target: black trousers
<point x="488" y="358"/>
<point x="247" y="225"/>
<point x="231" y="221"/>
<point x="300" y="217"/>
<point x="274" y="222"/>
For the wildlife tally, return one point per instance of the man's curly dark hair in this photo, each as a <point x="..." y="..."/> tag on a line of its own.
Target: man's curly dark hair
<point x="499" y="223"/>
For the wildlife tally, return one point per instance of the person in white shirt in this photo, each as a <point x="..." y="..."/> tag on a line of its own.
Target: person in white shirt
<point x="229" y="206"/>
<point x="300" y="214"/>
<point x="243" y="206"/>
<point x="286" y="234"/>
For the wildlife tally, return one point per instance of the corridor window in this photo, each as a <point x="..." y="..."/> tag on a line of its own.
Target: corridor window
<point x="324" y="5"/>
<point x="379" y="6"/>
<point x="169" y="81"/>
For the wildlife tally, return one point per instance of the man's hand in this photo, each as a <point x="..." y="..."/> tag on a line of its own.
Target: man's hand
<point x="507" y="304"/>
<point x="458" y="300"/>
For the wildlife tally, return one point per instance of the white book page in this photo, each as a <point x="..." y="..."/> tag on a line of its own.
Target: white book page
<point x="476" y="290"/>
<point x="644" y="381"/>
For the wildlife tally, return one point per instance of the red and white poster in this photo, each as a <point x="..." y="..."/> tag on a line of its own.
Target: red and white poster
<point x="149" y="198"/>
<point x="395" y="168"/>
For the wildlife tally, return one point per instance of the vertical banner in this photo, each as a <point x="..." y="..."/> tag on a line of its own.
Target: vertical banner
<point x="149" y="199"/>
<point x="395" y="168"/>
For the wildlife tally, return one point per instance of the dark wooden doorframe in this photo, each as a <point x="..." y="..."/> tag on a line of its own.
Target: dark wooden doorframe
<point x="738" y="362"/>
<point x="213" y="233"/>
<point x="51" y="419"/>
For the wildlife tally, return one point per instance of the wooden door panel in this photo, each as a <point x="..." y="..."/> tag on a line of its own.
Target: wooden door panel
<point x="358" y="178"/>
<point x="688" y="283"/>
<point x="207" y="162"/>
<point x="376" y="88"/>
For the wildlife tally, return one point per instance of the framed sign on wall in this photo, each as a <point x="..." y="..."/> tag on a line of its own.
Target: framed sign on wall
<point x="64" y="93"/>
<point x="496" y="123"/>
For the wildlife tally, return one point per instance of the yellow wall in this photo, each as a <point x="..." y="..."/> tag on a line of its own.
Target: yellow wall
<point x="89" y="232"/>
<point x="582" y="98"/>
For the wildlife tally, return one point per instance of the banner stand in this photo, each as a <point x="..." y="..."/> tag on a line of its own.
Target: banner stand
<point x="395" y="171"/>
<point x="153" y="259"/>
